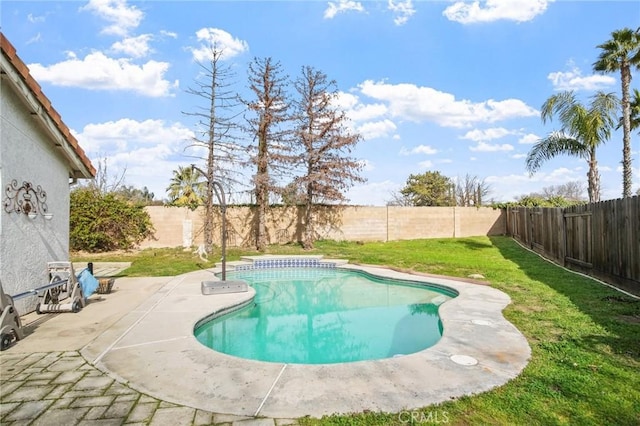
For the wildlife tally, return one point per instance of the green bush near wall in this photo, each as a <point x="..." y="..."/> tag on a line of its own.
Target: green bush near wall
<point x="105" y="222"/>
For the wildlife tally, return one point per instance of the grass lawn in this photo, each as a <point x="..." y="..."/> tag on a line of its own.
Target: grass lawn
<point x="585" y="337"/>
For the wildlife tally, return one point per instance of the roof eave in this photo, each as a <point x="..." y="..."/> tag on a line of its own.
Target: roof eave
<point x="40" y="107"/>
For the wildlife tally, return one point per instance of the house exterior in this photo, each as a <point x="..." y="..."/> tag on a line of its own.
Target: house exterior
<point x="39" y="160"/>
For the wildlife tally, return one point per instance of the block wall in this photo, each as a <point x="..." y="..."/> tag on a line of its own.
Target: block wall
<point x="177" y="226"/>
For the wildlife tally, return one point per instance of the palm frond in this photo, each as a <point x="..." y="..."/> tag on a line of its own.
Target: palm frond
<point x="556" y="144"/>
<point x="624" y="45"/>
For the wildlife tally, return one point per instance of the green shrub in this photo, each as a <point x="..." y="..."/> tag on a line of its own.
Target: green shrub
<point x="537" y="201"/>
<point x="105" y="221"/>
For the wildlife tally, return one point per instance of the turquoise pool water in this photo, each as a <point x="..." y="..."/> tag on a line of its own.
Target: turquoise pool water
<point x="327" y="315"/>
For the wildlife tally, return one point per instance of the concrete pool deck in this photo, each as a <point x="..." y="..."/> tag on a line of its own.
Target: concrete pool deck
<point x="147" y="344"/>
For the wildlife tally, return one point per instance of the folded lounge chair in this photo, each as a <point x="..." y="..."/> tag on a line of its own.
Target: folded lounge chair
<point x="10" y="325"/>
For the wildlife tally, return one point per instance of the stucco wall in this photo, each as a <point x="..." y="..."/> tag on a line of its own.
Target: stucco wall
<point x="177" y="226"/>
<point x="26" y="245"/>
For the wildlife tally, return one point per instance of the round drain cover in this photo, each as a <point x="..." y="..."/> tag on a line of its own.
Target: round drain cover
<point x="464" y="360"/>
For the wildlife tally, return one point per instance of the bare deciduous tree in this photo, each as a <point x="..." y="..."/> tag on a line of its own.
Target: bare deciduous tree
<point x="471" y="190"/>
<point x="398" y="199"/>
<point x="272" y="156"/>
<point x="327" y="169"/>
<point x="102" y="182"/>
<point x="571" y="191"/>
<point x="215" y="140"/>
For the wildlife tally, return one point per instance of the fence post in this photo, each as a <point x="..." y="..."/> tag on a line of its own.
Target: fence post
<point x="531" y="228"/>
<point x="563" y="237"/>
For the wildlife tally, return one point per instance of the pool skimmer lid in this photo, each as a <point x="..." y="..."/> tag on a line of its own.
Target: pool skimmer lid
<point x="464" y="360"/>
<point x="222" y="287"/>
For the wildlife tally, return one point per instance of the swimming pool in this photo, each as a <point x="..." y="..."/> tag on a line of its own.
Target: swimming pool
<point x="153" y="349"/>
<point x="311" y="315"/>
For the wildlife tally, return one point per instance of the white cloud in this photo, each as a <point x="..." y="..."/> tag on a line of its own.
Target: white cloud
<point x="486" y="147"/>
<point x="402" y="9"/>
<point x="363" y="116"/>
<point x="373" y="193"/>
<point x="529" y="139"/>
<point x="367" y="165"/>
<point x="420" y="149"/>
<point x="519" y="156"/>
<point x="342" y="6"/>
<point x="220" y="40"/>
<point x="135" y="47"/>
<point x="477" y="135"/>
<point x="357" y="111"/>
<point x="493" y="10"/>
<point x="563" y="174"/>
<point x="345" y="100"/>
<point x="573" y="80"/>
<point x="419" y="104"/>
<point x="512" y="186"/>
<point x="126" y="133"/>
<point x="35" y="39"/>
<point x="169" y="33"/>
<point x="99" y="72"/>
<point x="559" y="175"/>
<point x="145" y="151"/>
<point x="427" y="164"/>
<point x="366" y="112"/>
<point x="376" y="129"/>
<point x="35" y="19"/>
<point x="122" y="16"/>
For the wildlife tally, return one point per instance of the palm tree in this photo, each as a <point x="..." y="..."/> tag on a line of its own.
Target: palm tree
<point x="582" y="131"/>
<point x="621" y="53"/>
<point x="187" y="188"/>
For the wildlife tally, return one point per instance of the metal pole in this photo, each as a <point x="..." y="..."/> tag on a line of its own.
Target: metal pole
<point x="219" y="191"/>
<point x="39" y="289"/>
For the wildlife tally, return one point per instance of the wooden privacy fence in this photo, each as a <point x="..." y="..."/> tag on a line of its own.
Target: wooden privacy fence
<point x="600" y="239"/>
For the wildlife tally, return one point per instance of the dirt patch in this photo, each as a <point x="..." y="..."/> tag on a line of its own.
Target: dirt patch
<point x="424" y="274"/>
<point x="528" y="309"/>
<point x="101" y="255"/>
<point x="620" y="299"/>
<point x="629" y="319"/>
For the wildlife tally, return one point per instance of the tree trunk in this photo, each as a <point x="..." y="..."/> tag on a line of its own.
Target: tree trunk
<point x="208" y="220"/>
<point x="262" y="182"/>
<point x="307" y="235"/>
<point x="261" y="239"/>
<point x="307" y="232"/>
<point x="625" y="72"/>
<point x="593" y="177"/>
<point x="208" y="212"/>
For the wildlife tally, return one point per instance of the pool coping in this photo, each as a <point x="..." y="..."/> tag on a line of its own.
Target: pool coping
<point x="153" y="349"/>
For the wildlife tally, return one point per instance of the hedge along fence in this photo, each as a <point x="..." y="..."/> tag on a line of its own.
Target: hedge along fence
<point x="176" y="226"/>
<point x="600" y="239"/>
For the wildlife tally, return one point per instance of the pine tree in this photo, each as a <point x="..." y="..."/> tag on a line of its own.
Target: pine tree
<point x="326" y="143"/>
<point x="268" y="123"/>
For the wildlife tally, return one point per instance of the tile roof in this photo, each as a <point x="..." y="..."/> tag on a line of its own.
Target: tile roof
<point x="10" y="53"/>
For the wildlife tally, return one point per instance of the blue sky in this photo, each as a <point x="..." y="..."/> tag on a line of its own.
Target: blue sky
<point x="446" y="86"/>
